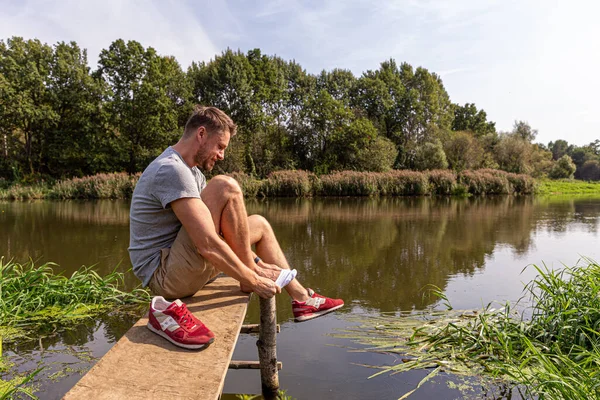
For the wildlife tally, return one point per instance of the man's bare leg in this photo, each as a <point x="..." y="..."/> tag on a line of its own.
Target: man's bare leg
<point x="224" y="199"/>
<point x="268" y="248"/>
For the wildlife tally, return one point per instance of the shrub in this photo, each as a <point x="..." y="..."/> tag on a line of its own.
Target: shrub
<point x="430" y="156"/>
<point x="403" y="183"/>
<point x="521" y="183"/>
<point x="564" y="168"/>
<point x="250" y="186"/>
<point x="21" y="192"/>
<point x="482" y="182"/>
<point x="100" y="186"/>
<point x="349" y="183"/>
<point x="289" y="184"/>
<point x="442" y="182"/>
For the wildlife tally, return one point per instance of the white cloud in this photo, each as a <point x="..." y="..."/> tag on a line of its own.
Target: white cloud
<point x="168" y="26"/>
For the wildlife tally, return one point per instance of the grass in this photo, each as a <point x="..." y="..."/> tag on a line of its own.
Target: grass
<point x="33" y="299"/>
<point x="552" y="354"/>
<point x="567" y="186"/>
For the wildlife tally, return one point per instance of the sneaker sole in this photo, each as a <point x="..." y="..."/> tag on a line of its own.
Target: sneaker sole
<point x="185" y="346"/>
<point x="303" y="318"/>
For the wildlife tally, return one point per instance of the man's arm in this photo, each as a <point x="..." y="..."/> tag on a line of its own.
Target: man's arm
<point x="197" y="221"/>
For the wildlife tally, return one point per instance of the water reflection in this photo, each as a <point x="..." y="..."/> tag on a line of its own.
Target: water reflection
<point x="379" y="252"/>
<point x="383" y="252"/>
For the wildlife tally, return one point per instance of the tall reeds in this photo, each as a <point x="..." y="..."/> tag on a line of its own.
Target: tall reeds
<point x="553" y="354"/>
<point x="299" y="183"/>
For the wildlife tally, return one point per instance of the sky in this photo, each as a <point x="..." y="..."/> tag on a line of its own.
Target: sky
<point x="536" y="61"/>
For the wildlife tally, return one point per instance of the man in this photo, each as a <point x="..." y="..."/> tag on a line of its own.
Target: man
<point x="183" y="232"/>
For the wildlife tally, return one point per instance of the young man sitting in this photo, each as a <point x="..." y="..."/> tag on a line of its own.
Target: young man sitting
<point x="184" y="231"/>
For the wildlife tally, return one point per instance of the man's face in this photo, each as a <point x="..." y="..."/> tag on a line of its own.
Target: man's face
<point x="212" y="148"/>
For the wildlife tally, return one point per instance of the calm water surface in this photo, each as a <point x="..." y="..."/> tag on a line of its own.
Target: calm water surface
<point x="376" y="254"/>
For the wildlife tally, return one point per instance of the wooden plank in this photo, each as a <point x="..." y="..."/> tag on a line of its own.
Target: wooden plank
<point x="250" y="365"/>
<point x="142" y="365"/>
<point x="254" y="328"/>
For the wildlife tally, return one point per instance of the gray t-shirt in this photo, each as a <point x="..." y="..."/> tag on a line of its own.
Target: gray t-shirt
<point x="153" y="224"/>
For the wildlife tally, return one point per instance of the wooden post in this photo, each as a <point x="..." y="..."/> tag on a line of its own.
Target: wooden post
<point x="267" y="348"/>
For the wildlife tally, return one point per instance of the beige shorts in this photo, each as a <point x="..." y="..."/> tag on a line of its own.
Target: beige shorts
<point x="182" y="271"/>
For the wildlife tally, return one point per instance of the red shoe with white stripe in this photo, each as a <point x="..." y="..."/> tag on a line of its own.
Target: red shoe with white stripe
<point x="174" y="322"/>
<point x="314" y="307"/>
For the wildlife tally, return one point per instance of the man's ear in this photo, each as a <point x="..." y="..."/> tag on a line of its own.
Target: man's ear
<point x="201" y="132"/>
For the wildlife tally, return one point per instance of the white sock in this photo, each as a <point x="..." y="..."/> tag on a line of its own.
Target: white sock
<point x="285" y="277"/>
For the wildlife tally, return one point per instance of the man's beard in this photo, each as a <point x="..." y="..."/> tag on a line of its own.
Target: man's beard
<point x="203" y="161"/>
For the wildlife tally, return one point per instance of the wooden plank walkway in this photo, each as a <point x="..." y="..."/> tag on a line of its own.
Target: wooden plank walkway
<point x="142" y="365"/>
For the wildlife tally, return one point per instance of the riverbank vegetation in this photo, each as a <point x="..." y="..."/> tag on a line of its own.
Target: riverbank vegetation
<point x="567" y="187"/>
<point x="35" y="301"/>
<point x="60" y="119"/>
<point x="301" y="184"/>
<point x="548" y="350"/>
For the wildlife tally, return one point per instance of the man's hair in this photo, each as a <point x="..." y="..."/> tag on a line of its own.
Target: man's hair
<point x="212" y="119"/>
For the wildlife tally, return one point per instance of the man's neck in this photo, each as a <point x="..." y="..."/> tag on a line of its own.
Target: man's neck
<point x="185" y="152"/>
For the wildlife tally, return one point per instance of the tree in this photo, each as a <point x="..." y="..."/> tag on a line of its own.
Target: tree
<point x="430" y="155"/>
<point x="559" y="148"/>
<point x="590" y="171"/>
<point x="147" y="95"/>
<point x="564" y="168"/>
<point x="523" y="130"/>
<point x="339" y="83"/>
<point x="77" y="98"/>
<point x="541" y="161"/>
<point x="377" y="156"/>
<point x="26" y="112"/>
<point x="468" y="118"/>
<point x="513" y="153"/>
<point x="463" y="151"/>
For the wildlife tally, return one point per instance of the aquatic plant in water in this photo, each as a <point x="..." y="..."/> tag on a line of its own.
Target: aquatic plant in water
<point x="34" y="298"/>
<point x="554" y="353"/>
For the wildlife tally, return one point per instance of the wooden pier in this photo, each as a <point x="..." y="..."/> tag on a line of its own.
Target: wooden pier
<point x="143" y="365"/>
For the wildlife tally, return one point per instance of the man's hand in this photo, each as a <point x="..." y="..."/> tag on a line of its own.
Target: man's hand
<point x="265" y="287"/>
<point x="269" y="271"/>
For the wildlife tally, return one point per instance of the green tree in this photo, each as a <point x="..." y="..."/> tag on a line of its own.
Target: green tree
<point x="463" y="151"/>
<point x="26" y="112"/>
<point x="524" y="131"/>
<point x="377" y="156"/>
<point x="430" y="155"/>
<point x="147" y="95"/>
<point x="404" y="104"/>
<point x="590" y="171"/>
<point x="541" y="161"/>
<point x="339" y="83"/>
<point x="468" y="118"/>
<point x="559" y="148"/>
<point x="564" y="168"/>
<point x="78" y="144"/>
<point x="513" y="153"/>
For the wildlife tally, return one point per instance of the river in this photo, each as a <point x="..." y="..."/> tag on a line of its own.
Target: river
<point x="379" y="255"/>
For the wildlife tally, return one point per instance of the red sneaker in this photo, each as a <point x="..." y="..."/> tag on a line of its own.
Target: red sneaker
<point x="314" y="307"/>
<point x="174" y="322"/>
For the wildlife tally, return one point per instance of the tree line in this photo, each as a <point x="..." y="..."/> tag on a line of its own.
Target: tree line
<point x="60" y="119"/>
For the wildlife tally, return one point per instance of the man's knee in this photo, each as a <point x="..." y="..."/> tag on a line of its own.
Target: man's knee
<point x="226" y="185"/>
<point x="260" y="223"/>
